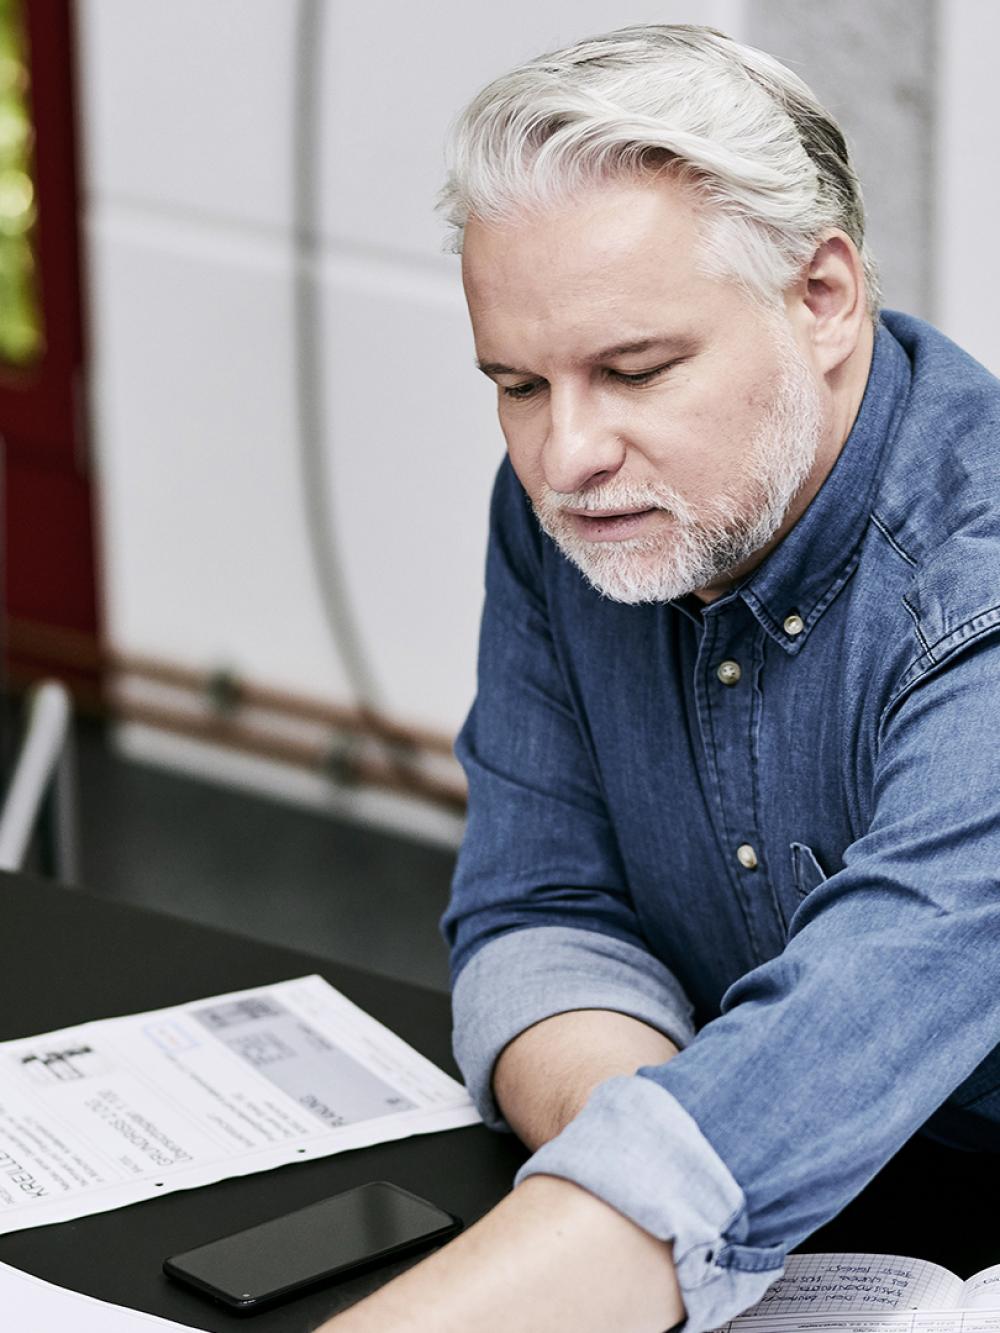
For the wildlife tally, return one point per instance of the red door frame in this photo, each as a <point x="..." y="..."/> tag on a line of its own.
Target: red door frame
<point x="50" y="592"/>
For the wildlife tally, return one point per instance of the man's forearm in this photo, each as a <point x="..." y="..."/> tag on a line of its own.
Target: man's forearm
<point x="550" y="1258"/>
<point x="545" y="1075"/>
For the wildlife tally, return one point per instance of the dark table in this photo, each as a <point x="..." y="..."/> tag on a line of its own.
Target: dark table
<point x="68" y="957"/>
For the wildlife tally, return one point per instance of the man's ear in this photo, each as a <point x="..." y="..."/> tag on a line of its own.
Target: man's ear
<point x="830" y="302"/>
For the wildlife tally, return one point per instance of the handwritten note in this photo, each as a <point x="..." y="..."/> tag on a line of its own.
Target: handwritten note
<point x="873" y="1293"/>
<point x="982" y="1291"/>
<point x="863" y="1283"/>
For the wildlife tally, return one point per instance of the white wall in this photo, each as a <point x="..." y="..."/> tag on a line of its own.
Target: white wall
<point x="187" y="125"/>
<point x="870" y="62"/>
<point x="968" y="183"/>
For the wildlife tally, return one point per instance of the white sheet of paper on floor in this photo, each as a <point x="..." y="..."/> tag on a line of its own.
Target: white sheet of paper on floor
<point x="33" y="1306"/>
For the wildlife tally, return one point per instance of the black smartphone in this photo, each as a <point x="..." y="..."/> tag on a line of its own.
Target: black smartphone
<point x="333" y="1238"/>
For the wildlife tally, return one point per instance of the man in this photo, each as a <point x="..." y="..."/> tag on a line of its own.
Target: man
<point x="734" y="785"/>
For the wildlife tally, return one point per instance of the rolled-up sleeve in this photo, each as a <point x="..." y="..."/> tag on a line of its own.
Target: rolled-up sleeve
<point x="528" y="975"/>
<point x="637" y="1148"/>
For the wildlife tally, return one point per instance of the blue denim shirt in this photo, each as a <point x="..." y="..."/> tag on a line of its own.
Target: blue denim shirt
<point x="837" y="987"/>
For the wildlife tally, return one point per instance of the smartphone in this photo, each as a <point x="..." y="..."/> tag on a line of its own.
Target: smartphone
<point x="330" y="1239"/>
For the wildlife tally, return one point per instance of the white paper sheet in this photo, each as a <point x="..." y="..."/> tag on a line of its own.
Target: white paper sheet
<point x="30" y="1305"/>
<point x="124" y="1109"/>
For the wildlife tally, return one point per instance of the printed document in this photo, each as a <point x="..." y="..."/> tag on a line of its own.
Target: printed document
<point x="123" y="1109"/>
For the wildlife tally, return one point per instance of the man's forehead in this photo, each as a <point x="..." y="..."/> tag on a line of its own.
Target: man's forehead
<point x="611" y="224"/>
<point x="615" y="267"/>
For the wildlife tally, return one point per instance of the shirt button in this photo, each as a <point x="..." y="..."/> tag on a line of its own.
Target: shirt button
<point x="729" y="672"/>
<point x="794" y="624"/>
<point x="746" y="856"/>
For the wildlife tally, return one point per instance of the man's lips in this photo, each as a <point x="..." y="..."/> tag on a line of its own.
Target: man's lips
<point x="610" y="513"/>
<point x="609" y="524"/>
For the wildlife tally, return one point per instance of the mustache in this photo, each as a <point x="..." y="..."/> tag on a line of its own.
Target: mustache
<point x="622" y="495"/>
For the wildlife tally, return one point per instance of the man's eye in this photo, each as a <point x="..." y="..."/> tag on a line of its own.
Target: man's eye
<point x="520" y="390"/>
<point x="642" y="376"/>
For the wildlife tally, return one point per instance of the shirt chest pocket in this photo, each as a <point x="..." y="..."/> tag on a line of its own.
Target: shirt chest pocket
<point x="807" y="873"/>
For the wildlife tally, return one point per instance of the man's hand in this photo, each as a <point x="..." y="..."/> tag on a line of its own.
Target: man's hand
<point x="549" y="1257"/>
<point x="544" y="1077"/>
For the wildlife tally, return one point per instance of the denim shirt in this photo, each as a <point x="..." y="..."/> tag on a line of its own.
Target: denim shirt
<point x="792" y="869"/>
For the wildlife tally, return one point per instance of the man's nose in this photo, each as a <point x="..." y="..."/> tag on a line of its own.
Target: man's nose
<point x="581" y="447"/>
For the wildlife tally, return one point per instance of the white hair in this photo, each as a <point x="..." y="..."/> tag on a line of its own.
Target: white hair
<point x="768" y="165"/>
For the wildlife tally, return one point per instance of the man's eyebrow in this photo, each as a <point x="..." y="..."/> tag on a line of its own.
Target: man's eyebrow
<point x="643" y="345"/>
<point x="492" y="368"/>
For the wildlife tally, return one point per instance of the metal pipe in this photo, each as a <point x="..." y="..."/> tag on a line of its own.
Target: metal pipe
<point x="43" y="772"/>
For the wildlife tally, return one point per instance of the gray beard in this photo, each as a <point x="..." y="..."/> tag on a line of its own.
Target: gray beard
<point x="701" y="544"/>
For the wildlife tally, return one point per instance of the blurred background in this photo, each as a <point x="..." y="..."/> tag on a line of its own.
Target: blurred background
<point x="246" y="456"/>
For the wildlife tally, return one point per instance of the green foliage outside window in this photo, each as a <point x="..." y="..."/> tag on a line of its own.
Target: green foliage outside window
<point x="21" y="337"/>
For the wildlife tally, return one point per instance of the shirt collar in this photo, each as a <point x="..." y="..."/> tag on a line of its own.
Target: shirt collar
<point x="791" y="589"/>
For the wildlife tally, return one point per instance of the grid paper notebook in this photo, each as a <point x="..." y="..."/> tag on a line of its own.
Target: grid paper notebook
<point x="874" y="1293"/>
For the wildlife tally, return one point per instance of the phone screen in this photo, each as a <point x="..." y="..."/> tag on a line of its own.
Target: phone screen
<point x="324" y="1240"/>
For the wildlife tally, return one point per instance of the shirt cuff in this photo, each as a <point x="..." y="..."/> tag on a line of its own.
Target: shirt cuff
<point x="636" y="1147"/>
<point x="526" y="975"/>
